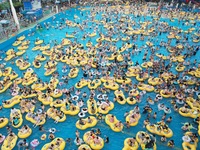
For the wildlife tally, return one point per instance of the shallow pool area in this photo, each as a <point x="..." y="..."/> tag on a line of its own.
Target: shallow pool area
<point x="111" y="31"/>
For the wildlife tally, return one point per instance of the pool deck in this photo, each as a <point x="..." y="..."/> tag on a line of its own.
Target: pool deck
<point x="30" y="26"/>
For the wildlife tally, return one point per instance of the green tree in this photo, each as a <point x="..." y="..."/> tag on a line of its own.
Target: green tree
<point x="6" y="5"/>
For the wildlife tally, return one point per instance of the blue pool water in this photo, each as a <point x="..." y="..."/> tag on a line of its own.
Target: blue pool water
<point x="67" y="129"/>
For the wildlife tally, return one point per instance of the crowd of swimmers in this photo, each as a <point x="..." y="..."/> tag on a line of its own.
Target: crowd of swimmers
<point x="119" y="69"/>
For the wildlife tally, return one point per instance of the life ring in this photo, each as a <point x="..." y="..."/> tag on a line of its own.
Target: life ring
<point x="156" y="99"/>
<point x="167" y="110"/>
<point x="186" y="78"/>
<point x="189" y="91"/>
<point x="52" y="130"/>
<point x="123" y="86"/>
<point x="197" y="94"/>
<point x="143" y="92"/>
<point x="160" y="107"/>
<point x="186" y="138"/>
<point x="80" y="104"/>
<point x="75" y="98"/>
<point x="20" y="143"/>
<point x="100" y="96"/>
<point x="159" y="96"/>
<point x="56" y="91"/>
<point x="43" y="137"/>
<point x="39" y="111"/>
<point x="14" y="93"/>
<point x="81" y="114"/>
<point x="35" y="143"/>
<point x="93" y="94"/>
<point x="151" y="102"/>
<point x="60" y="83"/>
<point x="105" y="96"/>
<point x="29" y="69"/>
<point x="180" y="101"/>
<point x="78" y="143"/>
<point x="77" y="92"/>
<point x="3" y="138"/>
<point x="64" y="70"/>
<point x="84" y="110"/>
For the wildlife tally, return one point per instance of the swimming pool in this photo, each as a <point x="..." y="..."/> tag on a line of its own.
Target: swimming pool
<point x="67" y="128"/>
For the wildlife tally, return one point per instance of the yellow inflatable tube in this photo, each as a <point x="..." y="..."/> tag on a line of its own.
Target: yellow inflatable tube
<point x="29" y="81"/>
<point x="90" y="141"/>
<point x="140" y="141"/>
<point x="106" y="109"/>
<point x="149" y="88"/>
<point x="84" y="146"/>
<point x="131" y="100"/>
<point x="191" y="113"/>
<point x="126" y="81"/>
<point x="155" y="81"/>
<point x="127" y="145"/>
<point x="188" y="146"/>
<point x="10" y="142"/>
<point x="23" y="47"/>
<point x="153" y="129"/>
<point x="91" y="111"/>
<point x="9" y="57"/>
<point x="21" y="38"/>
<point x="16" y="43"/>
<point x="141" y="86"/>
<point x="81" y="84"/>
<point x="39" y="42"/>
<point x="57" y="103"/>
<point x="49" y="72"/>
<point x="4" y="122"/>
<point x="20" y="53"/>
<point x="7" y="71"/>
<point x="164" y="94"/>
<point x="20" y="119"/>
<point x="51" y="113"/>
<point x="61" y="145"/>
<point x="45" y="99"/>
<point x="87" y="124"/>
<point x="56" y="95"/>
<point x="94" y="84"/>
<point x="13" y="101"/>
<point x="24" y="66"/>
<point x="113" y="124"/>
<point x="29" y="96"/>
<point x="111" y="85"/>
<point x="132" y="123"/>
<point x="32" y="120"/>
<point x="23" y="135"/>
<point x="74" y="110"/>
<point x="149" y="43"/>
<point x="133" y="92"/>
<point x="92" y="34"/>
<point x="6" y="87"/>
<point x="39" y="86"/>
<point x="180" y="68"/>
